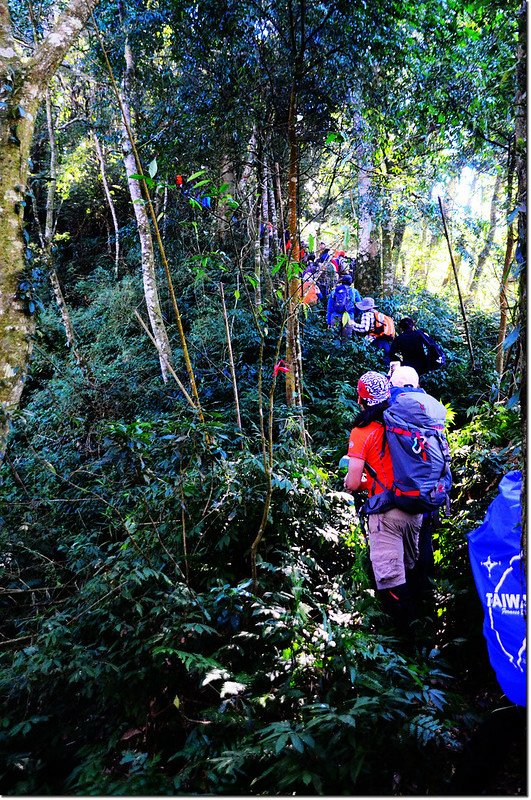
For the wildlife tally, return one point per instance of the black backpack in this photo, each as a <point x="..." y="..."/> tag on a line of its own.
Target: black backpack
<point x="435" y="355"/>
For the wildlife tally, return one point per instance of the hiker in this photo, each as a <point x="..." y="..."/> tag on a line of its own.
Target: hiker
<point x="414" y="348"/>
<point x="393" y="533"/>
<point x="342" y="299"/>
<point x="324" y="252"/>
<point x="420" y="579"/>
<point x="403" y="379"/>
<point x="379" y="327"/>
<point x="310" y="291"/>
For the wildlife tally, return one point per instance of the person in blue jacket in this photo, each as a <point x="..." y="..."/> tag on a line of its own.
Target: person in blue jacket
<point x="343" y="298"/>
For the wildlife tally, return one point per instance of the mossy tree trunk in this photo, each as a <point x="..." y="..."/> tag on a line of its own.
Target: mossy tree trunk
<point x="23" y="81"/>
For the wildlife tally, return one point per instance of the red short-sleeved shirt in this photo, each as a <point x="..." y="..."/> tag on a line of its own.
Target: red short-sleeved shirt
<point x="366" y="443"/>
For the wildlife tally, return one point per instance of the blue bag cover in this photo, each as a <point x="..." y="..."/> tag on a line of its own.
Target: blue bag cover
<point x="498" y="567"/>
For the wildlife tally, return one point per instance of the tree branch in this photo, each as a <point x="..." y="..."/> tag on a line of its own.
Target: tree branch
<point x="51" y="51"/>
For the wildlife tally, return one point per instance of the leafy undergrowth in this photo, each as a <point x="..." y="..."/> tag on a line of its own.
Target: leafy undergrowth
<point x="139" y="658"/>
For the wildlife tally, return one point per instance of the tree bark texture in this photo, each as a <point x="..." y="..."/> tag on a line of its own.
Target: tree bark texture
<point x="147" y="249"/>
<point x="487" y="247"/>
<point x="388" y="265"/>
<point x="23" y="82"/>
<point x="47" y="239"/>
<point x="368" y="276"/>
<point x="507" y="264"/>
<point x="293" y="378"/>
<point x="107" y="192"/>
<point x="224" y="210"/>
<point x="398" y="238"/>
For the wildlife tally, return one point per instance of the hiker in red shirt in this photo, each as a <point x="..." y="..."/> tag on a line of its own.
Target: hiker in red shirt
<point x="393" y="533"/>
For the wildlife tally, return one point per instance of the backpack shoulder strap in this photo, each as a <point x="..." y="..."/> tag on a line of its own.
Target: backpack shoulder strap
<point x="370" y="470"/>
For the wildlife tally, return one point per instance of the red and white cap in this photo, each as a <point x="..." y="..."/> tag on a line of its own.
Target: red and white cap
<point x="374" y="388"/>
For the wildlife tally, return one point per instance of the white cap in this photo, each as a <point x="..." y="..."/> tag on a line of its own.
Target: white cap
<point x="405" y="376"/>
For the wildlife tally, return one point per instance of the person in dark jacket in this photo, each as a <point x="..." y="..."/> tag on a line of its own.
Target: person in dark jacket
<point x="409" y="347"/>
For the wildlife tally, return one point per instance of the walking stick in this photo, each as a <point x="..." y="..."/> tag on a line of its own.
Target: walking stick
<point x="463" y="312"/>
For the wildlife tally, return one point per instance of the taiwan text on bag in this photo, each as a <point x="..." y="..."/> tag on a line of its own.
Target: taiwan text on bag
<point x="499" y="572"/>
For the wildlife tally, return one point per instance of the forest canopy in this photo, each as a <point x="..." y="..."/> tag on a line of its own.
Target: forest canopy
<point x="186" y="589"/>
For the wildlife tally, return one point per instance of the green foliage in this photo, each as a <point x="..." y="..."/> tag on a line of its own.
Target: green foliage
<point x="139" y="658"/>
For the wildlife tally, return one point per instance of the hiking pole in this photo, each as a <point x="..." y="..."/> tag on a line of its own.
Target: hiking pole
<point x="463" y="312"/>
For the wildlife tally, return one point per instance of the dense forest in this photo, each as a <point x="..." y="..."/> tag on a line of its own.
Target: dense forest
<point x="186" y="594"/>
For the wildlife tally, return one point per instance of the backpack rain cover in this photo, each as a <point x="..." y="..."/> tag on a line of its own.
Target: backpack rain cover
<point x="498" y="567"/>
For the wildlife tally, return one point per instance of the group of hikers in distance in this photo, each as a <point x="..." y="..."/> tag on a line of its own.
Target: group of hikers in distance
<point x="397" y="451"/>
<point x="328" y="278"/>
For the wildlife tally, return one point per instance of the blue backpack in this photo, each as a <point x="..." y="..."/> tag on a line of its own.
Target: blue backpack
<point x="340" y="300"/>
<point x="414" y="431"/>
<point x="495" y="550"/>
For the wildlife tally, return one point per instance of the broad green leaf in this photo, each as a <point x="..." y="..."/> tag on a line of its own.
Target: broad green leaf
<point x="345" y="319"/>
<point x="152" y="168"/>
<point x="297" y="742"/>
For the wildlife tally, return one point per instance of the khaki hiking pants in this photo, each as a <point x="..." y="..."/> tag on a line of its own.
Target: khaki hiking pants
<point x="394" y="545"/>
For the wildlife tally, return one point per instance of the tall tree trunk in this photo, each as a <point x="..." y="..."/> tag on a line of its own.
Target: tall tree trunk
<point x="293" y="377"/>
<point x="432" y="244"/>
<point x="273" y="214"/>
<point x="449" y="278"/>
<point x="294" y="285"/>
<point x="23" y="83"/>
<point x="368" y="275"/>
<point x="142" y="221"/>
<point x="268" y="227"/>
<point x="248" y="167"/>
<point x="398" y="238"/>
<point x="487" y="247"/>
<point x="47" y="240"/>
<point x="388" y="267"/>
<point x="224" y="210"/>
<point x="257" y="238"/>
<point x="107" y="192"/>
<point x="507" y="264"/>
